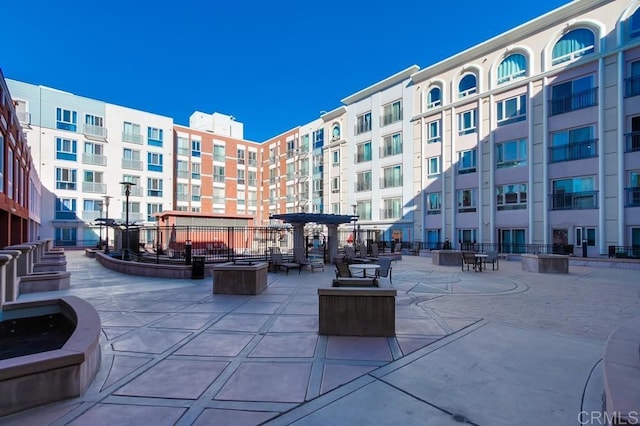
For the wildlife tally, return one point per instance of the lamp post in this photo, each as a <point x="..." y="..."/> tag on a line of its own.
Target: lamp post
<point x="100" y="226"/>
<point x="355" y="219"/>
<point x="127" y="191"/>
<point x="106" y="223"/>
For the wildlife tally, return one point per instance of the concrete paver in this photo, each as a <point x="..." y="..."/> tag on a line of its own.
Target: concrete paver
<point x="490" y="347"/>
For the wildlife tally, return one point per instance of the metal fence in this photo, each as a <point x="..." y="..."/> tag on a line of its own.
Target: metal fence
<point x="630" y="252"/>
<point x="565" y="249"/>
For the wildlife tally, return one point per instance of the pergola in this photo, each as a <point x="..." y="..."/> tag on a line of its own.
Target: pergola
<point x="298" y="220"/>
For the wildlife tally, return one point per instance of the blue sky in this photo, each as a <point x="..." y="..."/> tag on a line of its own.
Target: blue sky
<point x="271" y="64"/>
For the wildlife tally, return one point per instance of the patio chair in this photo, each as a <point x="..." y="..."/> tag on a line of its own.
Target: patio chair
<point x="342" y="270"/>
<point x="277" y="262"/>
<point x="415" y="249"/>
<point x="385" y="268"/>
<point x="469" y="258"/>
<point x="374" y="253"/>
<point x="492" y="257"/>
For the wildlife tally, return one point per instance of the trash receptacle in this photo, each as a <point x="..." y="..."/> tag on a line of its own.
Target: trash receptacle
<point x="197" y="267"/>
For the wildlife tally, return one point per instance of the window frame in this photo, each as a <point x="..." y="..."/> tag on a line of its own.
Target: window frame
<point x="473" y="122"/>
<point x="519" y="114"/>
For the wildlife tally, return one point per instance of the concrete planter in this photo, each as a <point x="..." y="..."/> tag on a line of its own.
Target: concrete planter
<point x="247" y="278"/>
<point x="545" y="263"/>
<point x="446" y="257"/>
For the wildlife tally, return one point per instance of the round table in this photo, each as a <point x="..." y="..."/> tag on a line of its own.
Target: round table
<point x="479" y="257"/>
<point x="363" y="267"/>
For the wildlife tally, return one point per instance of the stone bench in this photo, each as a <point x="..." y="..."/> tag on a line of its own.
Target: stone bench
<point x="354" y="282"/>
<point x="545" y="263"/>
<point x="357" y="311"/>
<point x="621" y="368"/>
<point x="90" y="253"/>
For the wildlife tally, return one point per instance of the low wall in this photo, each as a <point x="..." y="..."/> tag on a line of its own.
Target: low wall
<point x="45" y="281"/>
<point x="36" y="379"/>
<point x="144" y="269"/>
<point x="545" y="263"/>
<point x="246" y="278"/>
<point x="357" y="311"/>
<point x="446" y="257"/>
<point x="50" y="266"/>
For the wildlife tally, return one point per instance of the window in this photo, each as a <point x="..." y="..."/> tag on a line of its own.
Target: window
<point x="65" y="178"/>
<point x="252" y="196"/>
<point x="10" y="170"/>
<point x="252" y="178"/>
<point x="195" y="148"/>
<point x="154" y="136"/>
<point x="433" y="132"/>
<point x="335" y="184"/>
<point x="434" y="203"/>
<point x="291" y="148"/>
<point x="433" y="166"/>
<point x="466" y="161"/>
<point x="363" y="152"/>
<point x="92" y="205"/>
<point x="512" y="67"/>
<point x="634" y="24"/>
<point x="318" y="139"/>
<point x="65" y="208"/>
<point x="131" y="159"/>
<point x="573" y="144"/>
<point x="154" y="162"/>
<point x="182" y="192"/>
<point x="135" y="180"/>
<point x="335" y="157"/>
<point x="391" y="113"/>
<point x="467" y="122"/>
<point x="291" y="171"/>
<point x="572" y="95"/>
<point x="392" y="208"/>
<point x="153" y="208"/>
<point x="363" y="123"/>
<point x="183" y="146"/>
<point x="304" y="143"/>
<point x="131" y="133"/>
<point x="335" y="208"/>
<point x="94" y="125"/>
<point x="195" y="170"/>
<point x="434" y="98"/>
<point x="467" y="86"/>
<point x="240" y="156"/>
<point x="633" y="190"/>
<point x="588" y="234"/>
<point x="467" y="235"/>
<point x="511" y="154"/>
<point x="219" y="153"/>
<point x="574" y="193"/>
<point x="195" y="193"/>
<point x="363" y="210"/>
<point x="66" y="149"/>
<point x="363" y="181"/>
<point x="66" y="119"/>
<point x="632" y="83"/>
<point x="65" y="236"/>
<point x="391" y="177"/>
<point x="154" y="187"/>
<point x="335" y="132"/>
<point x="391" y="145"/>
<point x="94" y="182"/>
<point x="467" y="200"/>
<point x="512" y="110"/>
<point x="218" y="174"/>
<point x="573" y="45"/>
<point x="94" y="154"/>
<point x="2" y="148"/>
<point x="511" y="196"/>
<point x="253" y="158"/>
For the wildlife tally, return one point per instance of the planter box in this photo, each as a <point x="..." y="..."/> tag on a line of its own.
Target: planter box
<point x="246" y="278"/>
<point x="357" y="311"/>
<point x="446" y="257"/>
<point x="545" y="263"/>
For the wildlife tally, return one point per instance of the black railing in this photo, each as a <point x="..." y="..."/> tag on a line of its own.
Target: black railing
<point x="585" y="99"/>
<point x="633" y="141"/>
<point x="511" y="248"/>
<point x="573" y="151"/>
<point x="574" y="200"/>
<point x="630" y="252"/>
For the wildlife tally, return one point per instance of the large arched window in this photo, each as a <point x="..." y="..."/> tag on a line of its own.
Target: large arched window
<point x="335" y="132"/>
<point x="434" y="98"/>
<point x="512" y="67"/>
<point x="634" y="24"/>
<point x="468" y="86"/>
<point x="573" y="45"/>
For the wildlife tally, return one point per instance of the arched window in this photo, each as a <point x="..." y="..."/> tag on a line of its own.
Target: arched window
<point x="434" y="98"/>
<point x="634" y="24"/>
<point x="335" y="132"/>
<point x="573" y="45"/>
<point x="512" y="67"/>
<point x="467" y="86"/>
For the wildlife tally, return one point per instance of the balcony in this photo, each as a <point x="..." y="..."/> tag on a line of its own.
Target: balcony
<point x="96" y="187"/>
<point x="390" y="182"/>
<point x="632" y="197"/>
<point x="133" y="217"/>
<point x="253" y="162"/>
<point x="632" y="86"/>
<point x="90" y="216"/>
<point x="182" y="174"/>
<point x="390" y="214"/>
<point x="182" y="197"/>
<point x="132" y="138"/>
<point x="96" y="160"/>
<point x="291" y="153"/>
<point x="573" y="151"/>
<point x="291" y="198"/>
<point x="363" y="186"/>
<point x="633" y="141"/>
<point x="24" y="117"/>
<point x="219" y="157"/>
<point x="390" y="118"/>
<point x="574" y="200"/>
<point x="90" y="130"/>
<point x="219" y="178"/>
<point x="577" y="101"/>
<point x="135" y="191"/>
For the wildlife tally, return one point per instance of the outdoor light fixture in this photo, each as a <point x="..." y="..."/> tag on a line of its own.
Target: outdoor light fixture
<point x="127" y="191"/>
<point x="355" y="219"/>
<point x="106" y="222"/>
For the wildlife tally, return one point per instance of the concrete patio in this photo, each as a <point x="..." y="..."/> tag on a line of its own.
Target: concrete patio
<point x="491" y="348"/>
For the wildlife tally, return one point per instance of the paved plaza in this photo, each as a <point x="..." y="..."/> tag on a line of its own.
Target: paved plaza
<point x="488" y="348"/>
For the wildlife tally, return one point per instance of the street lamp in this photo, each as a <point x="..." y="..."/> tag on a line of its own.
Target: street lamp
<point x="106" y="223"/>
<point x="100" y="226"/>
<point x="355" y="219"/>
<point x="127" y="192"/>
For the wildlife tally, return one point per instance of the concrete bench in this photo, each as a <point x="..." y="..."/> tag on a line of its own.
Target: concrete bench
<point x="90" y="252"/>
<point x="354" y="282"/>
<point x="357" y="311"/>
<point x="621" y="368"/>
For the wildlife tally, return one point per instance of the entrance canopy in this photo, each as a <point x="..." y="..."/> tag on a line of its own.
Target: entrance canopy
<point x="321" y="218"/>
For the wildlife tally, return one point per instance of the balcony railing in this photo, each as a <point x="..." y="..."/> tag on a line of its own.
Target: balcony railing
<point x="100" y="188"/>
<point x="363" y="186"/>
<point x="24" y="117"/>
<point x="390" y="182"/>
<point x="391" y="117"/>
<point x="182" y="197"/>
<point x="390" y="214"/>
<point x="91" y="130"/>
<point x="135" y="191"/>
<point x="633" y="141"/>
<point x="574" y="200"/>
<point x="585" y="99"/>
<point x="132" y="138"/>
<point x="219" y="178"/>
<point x="98" y="160"/>
<point x="573" y="151"/>
<point x="90" y="216"/>
<point x="133" y="216"/>
<point x="632" y="86"/>
<point x="182" y="174"/>
<point x="632" y="197"/>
